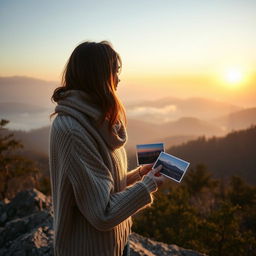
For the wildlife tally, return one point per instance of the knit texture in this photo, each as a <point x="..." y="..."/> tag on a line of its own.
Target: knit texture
<point x="93" y="195"/>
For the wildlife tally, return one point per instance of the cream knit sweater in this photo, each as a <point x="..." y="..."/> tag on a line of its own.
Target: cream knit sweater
<point x="93" y="195"/>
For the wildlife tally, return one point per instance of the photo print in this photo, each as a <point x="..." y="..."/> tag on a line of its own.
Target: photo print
<point x="148" y="153"/>
<point x="173" y="167"/>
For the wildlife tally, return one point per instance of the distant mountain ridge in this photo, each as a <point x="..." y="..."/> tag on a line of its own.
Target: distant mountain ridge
<point x="140" y="132"/>
<point x="38" y="92"/>
<point x="233" y="154"/>
<point x="26" y="103"/>
<point x="170" y="109"/>
<point x="36" y="140"/>
<point x="26" y="90"/>
<point x="13" y="108"/>
<point x="208" y="116"/>
<point x="191" y="125"/>
<point x="237" y="120"/>
<point x="197" y="102"/>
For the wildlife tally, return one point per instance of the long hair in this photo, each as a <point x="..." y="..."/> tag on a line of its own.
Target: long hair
<point x="92" y="68"/>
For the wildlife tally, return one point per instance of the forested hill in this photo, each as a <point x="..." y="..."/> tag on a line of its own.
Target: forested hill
<point x="234" y="154"/>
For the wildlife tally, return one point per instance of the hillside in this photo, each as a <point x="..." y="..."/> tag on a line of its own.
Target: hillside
<point x="231" y="155"/>
<point x="237" y="120"/>
<point x="182" y="130"/>
<point x="37" y="92"/>
<point x="36" y="140"/>
<point x="139" y="132"/>
<point x="13" y="108"/>
<point x="191" y="125"/>
<point x="26" y="90"/>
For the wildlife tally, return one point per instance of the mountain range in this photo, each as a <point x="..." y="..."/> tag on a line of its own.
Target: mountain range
<point x="231" y="155"/>
<point x="36" y="92"/>
<point x="26" y="103"/>
<point x="19" y="95"/>
<point x="237" y="120"/>
<point x="170" y="109"/>
<point x="26" y="90"/>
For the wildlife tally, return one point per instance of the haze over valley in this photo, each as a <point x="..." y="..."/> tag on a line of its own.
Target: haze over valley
<point x="26" y="103"/>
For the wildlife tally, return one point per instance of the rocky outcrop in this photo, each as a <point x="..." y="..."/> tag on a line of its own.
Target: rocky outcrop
<point x="26" y="225"/>
<point x="147" y="247"/>
<point x="26" y="229"/>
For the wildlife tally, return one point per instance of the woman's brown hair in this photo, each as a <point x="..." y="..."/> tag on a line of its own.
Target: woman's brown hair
<point x="92" y="68"/>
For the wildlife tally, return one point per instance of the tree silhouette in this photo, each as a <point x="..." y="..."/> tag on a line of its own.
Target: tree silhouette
<point x="194" y="215"/>
<point x="241" y="193"/>
<point x="12" y="165"/>
<point x="199" y="178"/>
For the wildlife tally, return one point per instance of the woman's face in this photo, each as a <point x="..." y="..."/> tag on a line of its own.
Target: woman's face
<point x="116" y="78"/>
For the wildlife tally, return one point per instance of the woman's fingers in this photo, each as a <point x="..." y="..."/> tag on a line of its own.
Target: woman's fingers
<point x="161" y="179"/>
<point x="157" y="169"/>
<point x="149" y="165"/>
<point x="145" y="169"/>
<point x="157" y="176"/>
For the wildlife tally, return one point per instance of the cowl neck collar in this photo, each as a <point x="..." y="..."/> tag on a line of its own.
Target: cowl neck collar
<point x="76" y="103"/>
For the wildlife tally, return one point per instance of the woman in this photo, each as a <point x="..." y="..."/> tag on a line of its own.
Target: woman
<point x="93" y="195"/>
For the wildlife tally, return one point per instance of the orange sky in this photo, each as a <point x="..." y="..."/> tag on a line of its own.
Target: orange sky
<point x="168" y="49"/>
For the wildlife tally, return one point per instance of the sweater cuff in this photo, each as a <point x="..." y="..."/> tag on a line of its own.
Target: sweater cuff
<point x="133" y="176"/>
<point x="149" y="183"/>
<point x="136" y="174"/>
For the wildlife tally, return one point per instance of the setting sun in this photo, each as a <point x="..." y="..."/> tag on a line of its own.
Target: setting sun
<point x="234" y="76"/>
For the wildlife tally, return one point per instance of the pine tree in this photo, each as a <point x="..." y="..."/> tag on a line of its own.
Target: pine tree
<point x="13" y="165"/>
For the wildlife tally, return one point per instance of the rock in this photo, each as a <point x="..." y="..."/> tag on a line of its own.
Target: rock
<point x="20" y="226"/>
<point x="26" y="203"/>
<point x="28" y="225"/>
<point x="2" y="205"/>
<point x="28" y="230"/>
<point x="141" y="246"/>
<point x="3" y="218"/>
<point x="3" y="214"/>
<point x="35" y="243"/>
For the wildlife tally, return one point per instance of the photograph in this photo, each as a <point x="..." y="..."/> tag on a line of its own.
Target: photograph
<point x="148" y="153"/>
<point x="173" y="167"/>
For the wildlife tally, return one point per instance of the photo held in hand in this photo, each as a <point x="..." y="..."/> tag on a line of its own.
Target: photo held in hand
<point x="172" y="167"/>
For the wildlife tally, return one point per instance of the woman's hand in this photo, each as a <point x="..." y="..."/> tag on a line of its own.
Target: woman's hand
<point x="144" y="169"/>
<point x="158" y="177"/>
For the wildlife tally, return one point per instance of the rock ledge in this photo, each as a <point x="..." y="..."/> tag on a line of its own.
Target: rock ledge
<point x="26" y="229"/>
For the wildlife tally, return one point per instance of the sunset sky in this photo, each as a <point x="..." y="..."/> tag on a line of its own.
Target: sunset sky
<point x="169" y="48"/>
<point x="149" y="147"/>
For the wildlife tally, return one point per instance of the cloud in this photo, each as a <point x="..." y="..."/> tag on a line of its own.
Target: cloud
<point x="140" y="111"/>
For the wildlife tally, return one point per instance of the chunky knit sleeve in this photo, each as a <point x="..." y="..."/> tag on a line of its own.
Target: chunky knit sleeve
<point x="93" y="187"/>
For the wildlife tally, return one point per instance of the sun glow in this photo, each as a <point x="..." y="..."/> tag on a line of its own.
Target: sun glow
<point x="234" y="77"/>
